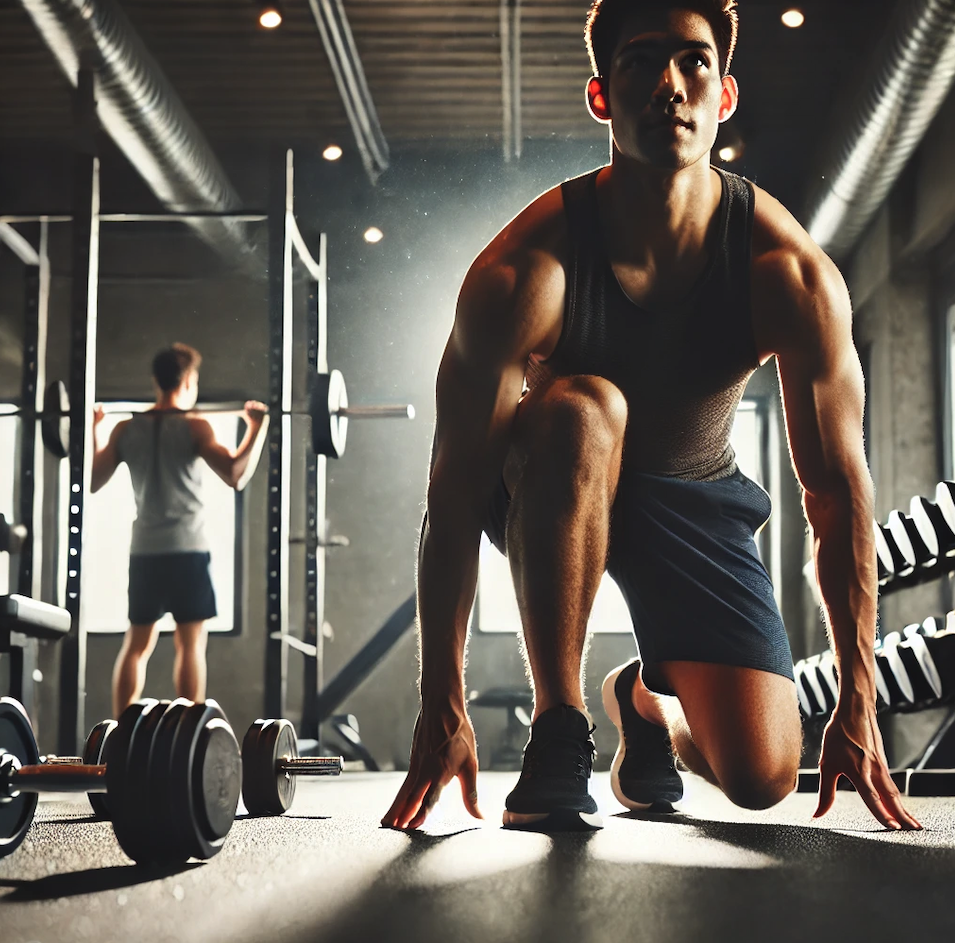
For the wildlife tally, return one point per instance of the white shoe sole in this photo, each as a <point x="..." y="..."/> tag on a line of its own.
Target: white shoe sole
<point x="590" y="820"/>
<point x="612" y="709"/>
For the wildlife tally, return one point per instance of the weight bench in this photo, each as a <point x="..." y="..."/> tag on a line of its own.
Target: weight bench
<point x="22" y="618"/>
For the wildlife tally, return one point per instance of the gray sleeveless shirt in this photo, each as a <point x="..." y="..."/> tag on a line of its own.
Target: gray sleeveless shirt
<point x="682" y="372"/>
<point x="163" y="463"/>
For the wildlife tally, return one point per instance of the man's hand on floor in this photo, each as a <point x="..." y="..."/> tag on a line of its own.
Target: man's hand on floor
<point x="443" y="748"/>
<point x="852" y="747"/>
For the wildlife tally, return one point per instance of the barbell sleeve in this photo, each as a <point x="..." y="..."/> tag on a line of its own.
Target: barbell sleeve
<point x="376" y="412"/>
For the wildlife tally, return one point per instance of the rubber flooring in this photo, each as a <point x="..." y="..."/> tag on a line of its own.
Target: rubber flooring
<point x="327" y="872"/>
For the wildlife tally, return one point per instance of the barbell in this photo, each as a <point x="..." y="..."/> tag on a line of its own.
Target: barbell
<point x="328" y="410"/>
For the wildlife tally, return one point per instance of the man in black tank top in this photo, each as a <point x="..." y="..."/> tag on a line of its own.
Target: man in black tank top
<point x="601" y="345"/>
<point x="169" y="556"/>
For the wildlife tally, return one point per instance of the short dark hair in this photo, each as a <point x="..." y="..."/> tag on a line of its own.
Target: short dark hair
<point x="170" y="366"/>
<point x="606" y="19"/>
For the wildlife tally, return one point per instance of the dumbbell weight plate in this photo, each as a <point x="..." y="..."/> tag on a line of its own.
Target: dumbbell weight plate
<point x="128" y="811"/>
<point x="205" y="779"/>
<point x="16" y="738"/>
<point x="55" y="424"/>
<point x="909" y="541"/>
<point x="168" y="845"/>
<point x="265" y="791"/>
<point x="94" y="754"/>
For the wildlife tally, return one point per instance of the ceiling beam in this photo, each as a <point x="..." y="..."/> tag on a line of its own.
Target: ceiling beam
<point x="513" y="135"/>
<point x="349" y="74"/>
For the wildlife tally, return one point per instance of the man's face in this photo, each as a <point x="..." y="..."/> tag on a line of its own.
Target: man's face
<point x="667" y="97"/>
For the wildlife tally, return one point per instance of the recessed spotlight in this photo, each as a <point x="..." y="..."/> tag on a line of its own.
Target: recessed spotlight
<point x="728" y="154"/>
<point x="374" y="234"/>
<point x="332" y="152"/>
<point x="793" y="19"/>
<point x="270" y="16"/>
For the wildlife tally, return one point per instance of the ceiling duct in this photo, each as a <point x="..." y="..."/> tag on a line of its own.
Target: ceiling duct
<point x="335" y="30"/>
<point x="913" y="72"/>
<point x="140" y="110"/>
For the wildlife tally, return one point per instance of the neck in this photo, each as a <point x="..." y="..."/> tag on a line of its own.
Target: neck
<point x="171" y="400"/>
<point x="659" y="207"/>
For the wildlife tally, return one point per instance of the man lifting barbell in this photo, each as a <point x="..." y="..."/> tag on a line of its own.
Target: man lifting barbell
<point x="169" y="555"/>
<point x="585" y="399"/>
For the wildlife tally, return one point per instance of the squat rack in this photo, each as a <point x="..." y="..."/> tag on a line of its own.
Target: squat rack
<point x="286" y="247"/>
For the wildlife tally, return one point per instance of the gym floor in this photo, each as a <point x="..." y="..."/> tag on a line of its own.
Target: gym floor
<point x="326" y="871"/>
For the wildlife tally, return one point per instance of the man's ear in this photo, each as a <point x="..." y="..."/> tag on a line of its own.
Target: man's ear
<point x="598" y="101"/>
<point x="729" y="100"/>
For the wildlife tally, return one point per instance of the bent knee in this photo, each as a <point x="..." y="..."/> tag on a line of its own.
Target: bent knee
<point x="591" y="408"/>
<point x="760" y="786"/>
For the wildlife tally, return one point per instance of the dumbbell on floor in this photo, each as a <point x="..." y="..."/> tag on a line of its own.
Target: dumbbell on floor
<point x="270" y="763"/>
<point x="172" y="780"/>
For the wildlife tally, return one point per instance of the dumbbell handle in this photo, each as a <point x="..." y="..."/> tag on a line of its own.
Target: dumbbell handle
<point x="310" y="765"/>
<point x="53" y="777"/>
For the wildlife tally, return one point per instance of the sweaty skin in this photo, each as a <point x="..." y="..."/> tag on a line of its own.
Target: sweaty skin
<point x="663" y="101"/>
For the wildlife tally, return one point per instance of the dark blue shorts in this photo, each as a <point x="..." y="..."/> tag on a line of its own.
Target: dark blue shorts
<point x="684" y="556"/>
<point x="170" y="582"/>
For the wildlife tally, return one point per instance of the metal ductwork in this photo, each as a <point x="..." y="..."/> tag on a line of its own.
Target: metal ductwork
<point x="140" y="110"/>
<point x="913" y="72"/>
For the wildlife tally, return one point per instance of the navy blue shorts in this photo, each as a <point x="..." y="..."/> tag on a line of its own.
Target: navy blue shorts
<point x="684" y="556"/>
<point x="170" y="582"/>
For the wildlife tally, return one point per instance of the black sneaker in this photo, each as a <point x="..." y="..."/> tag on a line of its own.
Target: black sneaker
<point x="643" y="774"/>
<point x="551" y="795"/>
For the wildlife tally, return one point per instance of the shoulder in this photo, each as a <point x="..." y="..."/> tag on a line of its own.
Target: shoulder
<point x="798" y="291"/>
<point x="119" y="430"/>
<point x="519" y="277"/>
<point x="200" y="429"/>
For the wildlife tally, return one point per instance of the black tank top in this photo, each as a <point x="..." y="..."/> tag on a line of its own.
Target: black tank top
<point x="682" y="372"/>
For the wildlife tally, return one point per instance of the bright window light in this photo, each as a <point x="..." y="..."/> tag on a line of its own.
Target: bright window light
<point x="270" y="18"/>
<point x="496" y="609"/>
<point x="374" y="234"/>
<point x="332" y="152"/>
<point x="108" y="529"/>
<point x="9" y="427"/>
<point x="793" y="19"/>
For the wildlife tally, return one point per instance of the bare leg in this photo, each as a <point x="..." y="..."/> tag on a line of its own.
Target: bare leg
<point x="189" y="668"/>
<point x="738" y="728"/>
<point x="562" y="473"/>
<point x="129" y="672"/>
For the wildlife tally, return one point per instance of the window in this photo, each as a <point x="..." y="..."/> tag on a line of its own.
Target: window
<point x="496" y="608"/>
<point x="108" y="528"/>
<point x="9" y="428"/>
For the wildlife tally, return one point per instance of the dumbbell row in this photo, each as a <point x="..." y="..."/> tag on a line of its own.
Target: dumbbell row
<point x="918" y="546"/>
<point x="914" y="668"/>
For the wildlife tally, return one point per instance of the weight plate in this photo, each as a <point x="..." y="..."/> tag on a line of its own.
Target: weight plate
<point x="329" y="430"/>
<point x="265" y="790"/>
<point x="55" y="424"/>
<point x="16" y="738"/>
<point x="126" y="808"/>
<point x="205" y="780"/>
<point x="94" y="754"/>
<point x="166" y="843"/>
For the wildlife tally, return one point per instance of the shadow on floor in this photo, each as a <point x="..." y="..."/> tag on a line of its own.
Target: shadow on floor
<point x="92" y="881"/>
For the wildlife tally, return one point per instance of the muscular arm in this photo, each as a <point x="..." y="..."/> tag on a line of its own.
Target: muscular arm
<point x="106" y="458"/>
<point x="823" y="398"/>
<point x="234" y="466"/>
<point x="510" y="303"/>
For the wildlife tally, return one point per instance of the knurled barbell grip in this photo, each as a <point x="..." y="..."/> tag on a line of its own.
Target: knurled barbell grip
<point x="56" y="777"/>
<point x="310" y="765"/>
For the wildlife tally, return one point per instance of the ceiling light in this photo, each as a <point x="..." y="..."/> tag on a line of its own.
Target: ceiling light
<point x="728" y="154"/>
<point x="793" y="19"/>
<point x="270" y="16"/>
<point x="332" y="152"/>
<point x="374" y="234"/>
